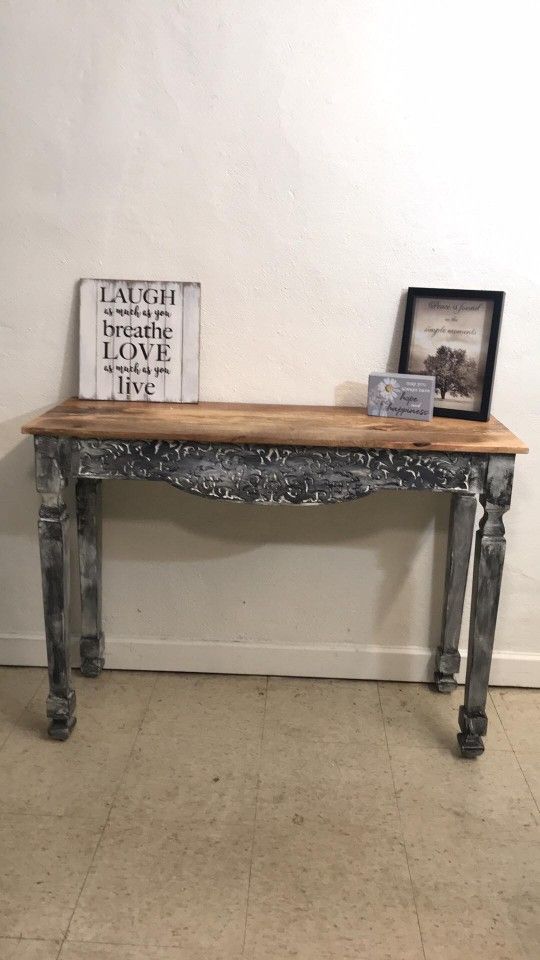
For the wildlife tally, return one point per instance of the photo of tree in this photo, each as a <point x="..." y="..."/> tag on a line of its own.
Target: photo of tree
<point x="453" y="372"/>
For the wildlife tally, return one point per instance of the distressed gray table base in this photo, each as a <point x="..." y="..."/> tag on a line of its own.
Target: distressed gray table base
<point x="271" y="475"/>
<point x="89" y="538"/>
<point x="52" y="473"/>
<point x="488" y="567"/>
<point x="460" y="534"/>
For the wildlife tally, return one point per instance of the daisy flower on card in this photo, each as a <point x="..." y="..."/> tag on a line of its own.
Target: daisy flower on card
<point x="388" y="389"/>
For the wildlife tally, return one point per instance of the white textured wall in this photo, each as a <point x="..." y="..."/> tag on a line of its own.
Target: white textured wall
<point x="306" y="162"/>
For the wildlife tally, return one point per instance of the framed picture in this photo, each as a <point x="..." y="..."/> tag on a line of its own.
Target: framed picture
<point x="453" y="335"/>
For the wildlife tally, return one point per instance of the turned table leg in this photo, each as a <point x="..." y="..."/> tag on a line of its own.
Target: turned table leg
<point x="460" y="534"/>
<point x="89" y="537"/>
<point x="488" y="568"/>
<point x="52" y="475"/>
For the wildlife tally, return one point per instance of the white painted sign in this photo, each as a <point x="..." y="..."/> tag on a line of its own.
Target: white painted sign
<point x="139" y="340"/>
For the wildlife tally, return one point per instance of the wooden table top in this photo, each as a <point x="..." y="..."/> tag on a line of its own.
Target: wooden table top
<point x="268" y="424"/>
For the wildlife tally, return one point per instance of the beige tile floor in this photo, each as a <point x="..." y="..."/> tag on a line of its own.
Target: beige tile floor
<point x="213" y="818"/>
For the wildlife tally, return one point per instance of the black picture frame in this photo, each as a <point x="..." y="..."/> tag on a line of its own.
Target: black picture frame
<point x="441" y="294"/>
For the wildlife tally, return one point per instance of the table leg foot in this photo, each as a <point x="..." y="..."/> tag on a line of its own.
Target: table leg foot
<point x="473" y="728"/>
<point x="471" y="745"/>
<point x="61" y="714"/>
<point x="92" y="666"/>
<point x="444" y="682"/>
<point x="61" y="729"/>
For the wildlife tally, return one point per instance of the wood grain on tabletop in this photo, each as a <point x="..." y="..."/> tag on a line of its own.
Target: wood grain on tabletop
<point x="269" y="424"/>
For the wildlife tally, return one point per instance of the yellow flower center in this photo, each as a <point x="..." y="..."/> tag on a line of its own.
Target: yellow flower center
<point x="388" y="388"/>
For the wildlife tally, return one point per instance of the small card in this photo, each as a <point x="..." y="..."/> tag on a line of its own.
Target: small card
<point x="401" y="395"/>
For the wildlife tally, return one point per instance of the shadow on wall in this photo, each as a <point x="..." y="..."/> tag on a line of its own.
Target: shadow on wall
<point x="69" y="378"/>
<point x="395" y="346"/>
<point x="384" y="531"/>
<point x="353" y="393"/>
<point x="19" y="508"/>
<point x="19" y="501"/>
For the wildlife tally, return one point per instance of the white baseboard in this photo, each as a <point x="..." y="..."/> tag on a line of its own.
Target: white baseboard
<point x="509" y="668"/>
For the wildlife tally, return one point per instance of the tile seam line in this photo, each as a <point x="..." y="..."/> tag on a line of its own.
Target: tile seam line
<point x="154" y="944"/>
<point x="7" y="936"/>
<point x="261" y="738"/>
<point x="401" y="828"/>
<point x="102" y="831"/>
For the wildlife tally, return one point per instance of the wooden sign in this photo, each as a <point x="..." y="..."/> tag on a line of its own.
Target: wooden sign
<point x="139" y="340"/>
<point x="401" y="395"/>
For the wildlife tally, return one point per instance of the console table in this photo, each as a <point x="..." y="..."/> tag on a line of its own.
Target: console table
<point x="271" y="455"/>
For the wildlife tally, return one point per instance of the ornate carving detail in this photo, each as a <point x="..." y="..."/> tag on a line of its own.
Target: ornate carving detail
<point x="284" y="474"/>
